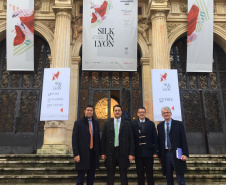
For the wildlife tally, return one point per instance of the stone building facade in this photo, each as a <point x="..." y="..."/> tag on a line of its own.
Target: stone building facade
<point x="162" y="29"/>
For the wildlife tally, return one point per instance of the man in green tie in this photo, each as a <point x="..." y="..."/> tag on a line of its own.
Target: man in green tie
<point x="117" y="146"/>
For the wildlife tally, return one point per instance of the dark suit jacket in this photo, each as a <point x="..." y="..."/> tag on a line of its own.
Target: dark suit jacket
<point x="151" y="140"/>
<point x="178" y="140"/>
<point x="126" y="143"/>
<point x="81" y="143"/>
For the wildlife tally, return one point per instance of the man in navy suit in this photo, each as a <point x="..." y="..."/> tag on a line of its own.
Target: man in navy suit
<point x="171" y="135"/>
<point x="86" y="146"/>
<point x="146" y="146"/>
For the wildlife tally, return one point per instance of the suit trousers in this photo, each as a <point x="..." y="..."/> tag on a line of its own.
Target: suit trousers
<point x="144" y="164"/>
<point x="170" y="166"/>
<point x="90" y="172"/>
<point x="122" y="171"/>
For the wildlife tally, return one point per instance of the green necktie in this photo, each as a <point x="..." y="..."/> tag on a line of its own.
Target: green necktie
<point x="116" y="133"/>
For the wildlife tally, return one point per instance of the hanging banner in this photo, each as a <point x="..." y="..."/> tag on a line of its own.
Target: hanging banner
<point x="200" y="36"/>
<point x="20" y="35"/>
<point x="109" y="35"/>
<point x="165" y="92"/>
<point x="55" y="94"/>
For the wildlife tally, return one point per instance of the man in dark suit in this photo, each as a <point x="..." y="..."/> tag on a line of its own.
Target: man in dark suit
<point x="86" y="146"/>
<point x="146" y="146"/>
<point x="117" y="146"/>
<point x="171" y="135"/>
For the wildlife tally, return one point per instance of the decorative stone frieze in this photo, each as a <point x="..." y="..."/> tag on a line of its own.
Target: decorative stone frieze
<point x="184" y="8"/>
<point x="160" y="1"/>
<point x="172" y="26"/>
<point x="49" y="24"/>
<point x="54" y="124"/>
<point x="37" y="5"/>
<point x="222" y="25"/>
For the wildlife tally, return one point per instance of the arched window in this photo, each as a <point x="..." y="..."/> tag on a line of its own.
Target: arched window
<point x="203" y="100"/>
<point x="20" y="98"/>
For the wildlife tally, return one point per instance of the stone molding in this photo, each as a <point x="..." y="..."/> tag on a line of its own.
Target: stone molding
<point x="76" y="60"/>
<point x="145" y="61"/>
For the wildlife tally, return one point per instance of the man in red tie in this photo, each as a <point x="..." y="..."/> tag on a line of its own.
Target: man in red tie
<point x="85" y="144"/>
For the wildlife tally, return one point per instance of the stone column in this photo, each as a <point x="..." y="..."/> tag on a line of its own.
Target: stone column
<point x="160" y="39"/>
<point x="55" y="132"/>
<point x="74" y="94"/>
<point x="147" y="86"/>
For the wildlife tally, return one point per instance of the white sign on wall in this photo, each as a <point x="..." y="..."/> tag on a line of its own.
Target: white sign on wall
<point x="109" y="35"/>
<point x="55" y="94"/>
<point x="165" y="92"/>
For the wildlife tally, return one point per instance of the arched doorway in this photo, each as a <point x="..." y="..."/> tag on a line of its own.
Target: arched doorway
<point x="105" y="89"/>
<point x="20" y="97"/>
<point x="203" y="101"/>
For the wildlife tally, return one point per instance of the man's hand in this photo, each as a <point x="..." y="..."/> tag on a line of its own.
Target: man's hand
<point x="130" y="158"/>
<point x="184" y="158"/>
<point x="103" y="157"/>
<point x="155" y="156"/>
<point x="77" y="159"/>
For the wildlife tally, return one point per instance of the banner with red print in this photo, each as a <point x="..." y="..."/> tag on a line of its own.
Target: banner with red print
<point x="20" y="35"/>
<point x="200" y="36"/>
<point x="165" y="92"/>
<point x="109" y="35"/>
<point x="55" y="94"/>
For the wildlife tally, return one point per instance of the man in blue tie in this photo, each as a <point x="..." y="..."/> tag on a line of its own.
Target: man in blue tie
<point x="171" y="135"/>
<point x="117" y="146"/>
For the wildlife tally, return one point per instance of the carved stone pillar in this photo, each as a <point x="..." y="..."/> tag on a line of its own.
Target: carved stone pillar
<point x="55" y="132"/>
<point x="160" y="39"/>
<point x="61" y="53"/>
<point x="147" y="86"/>
<point x="74" y="94"/>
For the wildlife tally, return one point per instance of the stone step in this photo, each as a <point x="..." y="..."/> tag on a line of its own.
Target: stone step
<point x="100" y="178"/>
<point x="69" y="157"/>
<point x="102" y="170"/>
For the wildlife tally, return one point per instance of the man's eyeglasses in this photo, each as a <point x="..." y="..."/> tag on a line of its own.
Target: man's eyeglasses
<point x="141" y="112"/>
<point x="166" y="112"/>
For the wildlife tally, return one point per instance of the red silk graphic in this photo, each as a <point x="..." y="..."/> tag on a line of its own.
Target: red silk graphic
<point x="192" y="19"/>
<point x="102" y="10"/>
<point x="20" y="36"/>
<point x="29" y="22"/>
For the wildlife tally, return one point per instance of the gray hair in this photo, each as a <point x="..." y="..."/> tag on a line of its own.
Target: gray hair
<point x="165" y="108"/>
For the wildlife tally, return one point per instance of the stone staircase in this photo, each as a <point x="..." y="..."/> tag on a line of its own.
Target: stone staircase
<point x="59" y="169"/>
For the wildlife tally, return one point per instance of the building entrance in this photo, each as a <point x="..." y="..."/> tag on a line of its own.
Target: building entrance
<point x="203" y="101"/>
<point x="103" y="90"/>
<point x="20" y="97"/>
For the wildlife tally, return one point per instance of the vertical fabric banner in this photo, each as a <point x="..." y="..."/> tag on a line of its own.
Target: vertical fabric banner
<point x="200" y="36"/>
<point x="20" y="35"/>
<point x="165" y="92"/>
<point x="109" y="35"/>
<point x="55" y="94"/>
